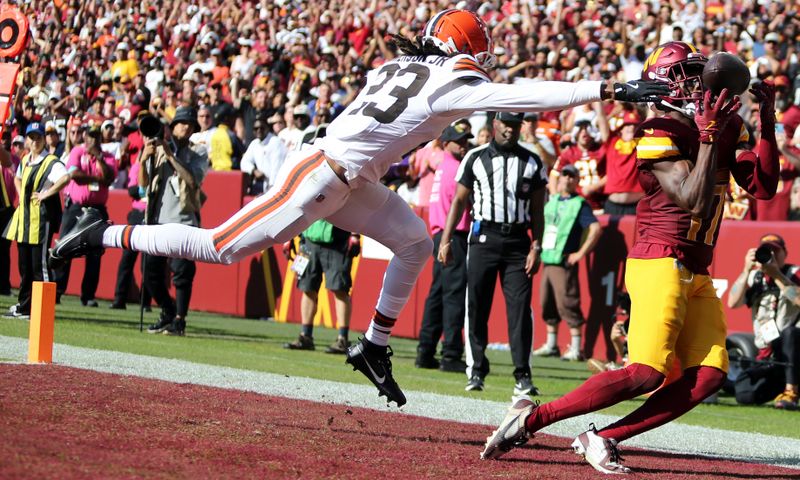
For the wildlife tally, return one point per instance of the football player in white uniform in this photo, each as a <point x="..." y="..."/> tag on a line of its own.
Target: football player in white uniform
<point x="440" y="77"/>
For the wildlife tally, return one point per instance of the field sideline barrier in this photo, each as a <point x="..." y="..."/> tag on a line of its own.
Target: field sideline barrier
<point x="254" y="287"/>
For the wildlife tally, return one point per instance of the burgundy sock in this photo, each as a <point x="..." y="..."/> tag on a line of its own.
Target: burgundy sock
<point x="668" y="403"/>
<point x="599" y="391"/>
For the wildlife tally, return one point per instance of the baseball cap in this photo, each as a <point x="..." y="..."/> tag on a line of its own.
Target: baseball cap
<point x="773" y="240"/>
<point x="34" y="127"/>
<point x="301" y="109"/>
<point x="509" y="117"/>
<point x="454" y="133"/>
<point x="772" y="37"/>
<point x="631" y="118"/>
<point x="570" y="170"/>
<point x="18" y="139"/>
<point x="106" y="124"/>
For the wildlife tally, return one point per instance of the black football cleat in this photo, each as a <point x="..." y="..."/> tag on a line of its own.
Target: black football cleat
<point x="84" y="238"/>
<point x="373" y="361"/>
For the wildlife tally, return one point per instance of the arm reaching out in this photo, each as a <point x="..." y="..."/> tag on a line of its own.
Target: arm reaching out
<point x="758" y="171"/>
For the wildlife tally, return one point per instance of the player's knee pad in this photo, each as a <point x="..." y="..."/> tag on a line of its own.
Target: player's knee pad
<point x="644" y="378"/>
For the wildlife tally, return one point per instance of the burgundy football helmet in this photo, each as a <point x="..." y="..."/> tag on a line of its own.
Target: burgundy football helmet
<point x="679" y="65"/>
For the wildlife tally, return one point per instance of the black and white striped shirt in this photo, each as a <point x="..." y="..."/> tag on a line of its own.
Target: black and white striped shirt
<point x="502" y="182"/>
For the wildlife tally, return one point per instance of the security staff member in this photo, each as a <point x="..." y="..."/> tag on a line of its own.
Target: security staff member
<point x="40" y="176"/>
<point x="507" y="183"/>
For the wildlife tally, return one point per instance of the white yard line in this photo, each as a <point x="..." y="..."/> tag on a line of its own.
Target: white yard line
<point x="677" y="438"/>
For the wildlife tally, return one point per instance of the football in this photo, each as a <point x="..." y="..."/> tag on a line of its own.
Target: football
<point x="725" y="70"/>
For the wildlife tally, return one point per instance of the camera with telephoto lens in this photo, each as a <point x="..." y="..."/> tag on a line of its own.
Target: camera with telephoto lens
<point x="151" y="127"/>
<point x="764" y="254"/>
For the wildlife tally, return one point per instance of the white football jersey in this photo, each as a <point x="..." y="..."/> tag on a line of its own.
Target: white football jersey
<point x="411" y="99"/>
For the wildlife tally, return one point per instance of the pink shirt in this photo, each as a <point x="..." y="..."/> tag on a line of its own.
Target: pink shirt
<point x="443" y="191"/>
<point x="133" y="181"/>
<point x="426" y="160"/>
<point x="92" y="193"/>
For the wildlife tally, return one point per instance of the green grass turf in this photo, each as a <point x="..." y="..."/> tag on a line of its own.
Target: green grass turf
<point x="258" y="345"/>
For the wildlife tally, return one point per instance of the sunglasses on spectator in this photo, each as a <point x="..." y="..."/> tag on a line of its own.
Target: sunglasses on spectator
<point x="258" y="126"/>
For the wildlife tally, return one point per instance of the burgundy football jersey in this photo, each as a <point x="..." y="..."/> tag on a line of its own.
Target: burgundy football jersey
<point x="665" y="229"/>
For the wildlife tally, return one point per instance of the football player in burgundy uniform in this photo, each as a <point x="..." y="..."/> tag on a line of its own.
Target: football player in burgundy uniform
<point x="685" y="157"/>
<point x="440" y="77"/>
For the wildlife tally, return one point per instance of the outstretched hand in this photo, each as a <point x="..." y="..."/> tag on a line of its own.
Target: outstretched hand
<point x="711" y="120"/>
<point x="764" y="93"/>
<point x="639" y="91"/>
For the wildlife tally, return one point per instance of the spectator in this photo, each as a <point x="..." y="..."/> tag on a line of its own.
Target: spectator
<point x="425" y="162"/>
<point x="40" y="177"/>
<point x="226" y="149"/>
<point x="166" y="204"/>
<point x="327" y="250"/>
<point x="503" y="214"/>
<point x="292" y="135"/>
<point x="588" y="156"/>
<point x="52" y="140"/>
<point x="769" y="286"/>
<point x="571" y="231"/>
<point x="536" y="141"/>
<point x="622" y="177"/>
<point x="250" y="109"/>
<point x="91" y="171"/>
<point x="263" y="158"/>
<point x="445" y="306"/>
<point x="201" y="140"/>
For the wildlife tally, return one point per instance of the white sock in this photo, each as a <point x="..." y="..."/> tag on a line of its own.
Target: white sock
<point x="112" y="237"/>
<point x="576" y="343"/>
<point x="552" y="339"/>
<point x="380" y="328"/>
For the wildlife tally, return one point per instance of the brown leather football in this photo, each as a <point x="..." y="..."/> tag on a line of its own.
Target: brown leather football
<point x="725" y="70"/>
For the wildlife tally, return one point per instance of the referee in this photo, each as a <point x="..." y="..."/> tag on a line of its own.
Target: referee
<point x="507" y="185"/>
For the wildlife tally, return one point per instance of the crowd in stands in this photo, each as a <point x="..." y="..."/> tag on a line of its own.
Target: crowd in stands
<point x="265" y="76"/>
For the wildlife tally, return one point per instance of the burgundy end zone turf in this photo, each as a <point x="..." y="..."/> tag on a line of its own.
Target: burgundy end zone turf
<point x="60" y="422"/>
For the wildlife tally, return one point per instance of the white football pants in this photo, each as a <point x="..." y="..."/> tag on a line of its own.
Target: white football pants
<point x="306" y="190"/>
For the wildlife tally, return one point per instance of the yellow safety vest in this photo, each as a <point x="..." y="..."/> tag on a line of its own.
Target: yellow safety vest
<point x="33" y="221"/>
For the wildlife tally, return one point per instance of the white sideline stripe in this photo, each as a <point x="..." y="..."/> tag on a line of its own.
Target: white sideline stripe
<point x="676" y="438"/>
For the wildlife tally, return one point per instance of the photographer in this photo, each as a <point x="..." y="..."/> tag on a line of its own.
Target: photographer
<point x="170" y="176"/>
<point x="769" y="286"/>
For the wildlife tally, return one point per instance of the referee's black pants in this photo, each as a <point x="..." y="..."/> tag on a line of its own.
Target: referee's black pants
<point x="91" y="273"/>
<point x="444" y="308"/>
<point x="504" y="255"/>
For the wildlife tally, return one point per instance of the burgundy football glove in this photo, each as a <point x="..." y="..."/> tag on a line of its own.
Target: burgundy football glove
<point x="353" y="246"/>
<point x="765" y="96"/>
<point x="289" y="249"/>
<point x="711" y="120"/>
